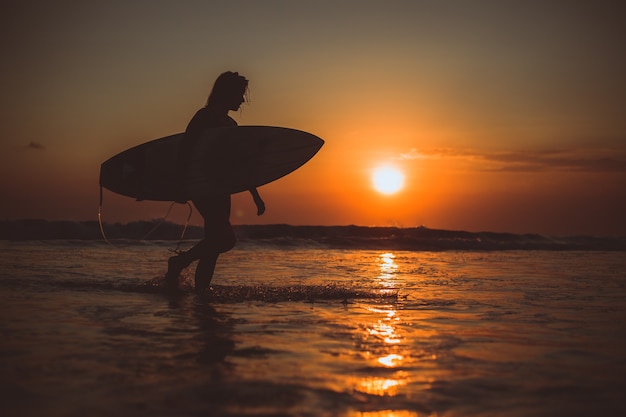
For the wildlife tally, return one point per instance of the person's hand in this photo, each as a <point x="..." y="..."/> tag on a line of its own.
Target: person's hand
<point x="260" y="206"/>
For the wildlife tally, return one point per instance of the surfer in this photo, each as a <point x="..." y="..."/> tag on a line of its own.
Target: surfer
<point x="229" y="92"/>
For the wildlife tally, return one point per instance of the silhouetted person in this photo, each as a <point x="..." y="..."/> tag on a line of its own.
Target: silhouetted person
<point x="229" y="93"/>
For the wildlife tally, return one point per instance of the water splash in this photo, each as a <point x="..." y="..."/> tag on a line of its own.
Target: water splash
<point x="230" y="294"/>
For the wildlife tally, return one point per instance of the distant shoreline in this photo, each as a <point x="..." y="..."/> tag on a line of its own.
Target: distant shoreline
<point x="342" y="237"/>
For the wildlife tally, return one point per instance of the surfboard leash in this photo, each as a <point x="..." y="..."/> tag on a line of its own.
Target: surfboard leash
<point x="144" y="237"/>
<point x="182" y="235"/>
<point x="104" y="236"/>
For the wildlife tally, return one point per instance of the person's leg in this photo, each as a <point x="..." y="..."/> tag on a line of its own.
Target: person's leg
<point x="177" y="263"/>
<point x="204" y="271"/>
<point x="219" y="237"/>
<point x="208" y="254"/>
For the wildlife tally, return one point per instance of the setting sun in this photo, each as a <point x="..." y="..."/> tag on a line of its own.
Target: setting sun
<point x="387" y="180"/>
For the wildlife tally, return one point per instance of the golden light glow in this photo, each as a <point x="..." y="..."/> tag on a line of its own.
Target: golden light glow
<point x="387" y="179"/>
<point x="386" y="331"/>
<point x="391" y="360"/>
<point x="385" y="413"/>
<point x="382" y="386"/>
<point x="388" y="268"/>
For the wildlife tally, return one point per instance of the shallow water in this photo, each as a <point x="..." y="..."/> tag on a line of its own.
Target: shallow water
<point x="299" y="331"/>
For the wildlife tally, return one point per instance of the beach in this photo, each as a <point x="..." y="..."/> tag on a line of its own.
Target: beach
<point x="293" y="328"/>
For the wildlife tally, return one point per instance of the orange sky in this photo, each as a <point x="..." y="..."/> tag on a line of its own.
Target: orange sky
<point x="502" y="117"/>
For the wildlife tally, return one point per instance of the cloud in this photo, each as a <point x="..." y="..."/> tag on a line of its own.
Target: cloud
<point x="34" y="145"/>
<point x="433" y="153"/>
<point x="587" y="160"/>
<point x="573" y="160"/>
<point x="412" y="154"/>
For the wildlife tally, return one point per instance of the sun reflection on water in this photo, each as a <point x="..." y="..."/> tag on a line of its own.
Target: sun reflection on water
<point x="391" y="361"/>
<point x="384" y="328"/>
<point x="381" y="386"/>
<point x="385" y="413"/>
<point x="381" y="342"/>
<point x="388" y="268"/>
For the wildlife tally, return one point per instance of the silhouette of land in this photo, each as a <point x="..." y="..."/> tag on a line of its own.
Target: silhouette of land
<point x="342" y="237"/>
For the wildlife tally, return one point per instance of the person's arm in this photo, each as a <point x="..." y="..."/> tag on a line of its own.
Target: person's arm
<point x="260" y="205"/>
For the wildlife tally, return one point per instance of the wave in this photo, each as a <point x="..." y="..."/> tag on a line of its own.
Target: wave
<point x="334" y="237"/>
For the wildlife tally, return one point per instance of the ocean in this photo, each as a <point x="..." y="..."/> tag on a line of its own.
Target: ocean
<point x="296" y="328"/>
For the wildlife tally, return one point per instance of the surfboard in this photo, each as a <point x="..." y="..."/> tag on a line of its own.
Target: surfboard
<point x="224" y="160"/>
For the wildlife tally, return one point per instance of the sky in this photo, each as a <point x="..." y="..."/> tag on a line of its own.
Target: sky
<point x="501" y="115"/>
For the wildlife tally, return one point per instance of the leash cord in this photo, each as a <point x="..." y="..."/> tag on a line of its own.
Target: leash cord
<point x="144" y="237"/>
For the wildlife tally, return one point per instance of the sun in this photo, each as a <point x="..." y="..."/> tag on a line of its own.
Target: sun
<point x="387" y="179"/>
